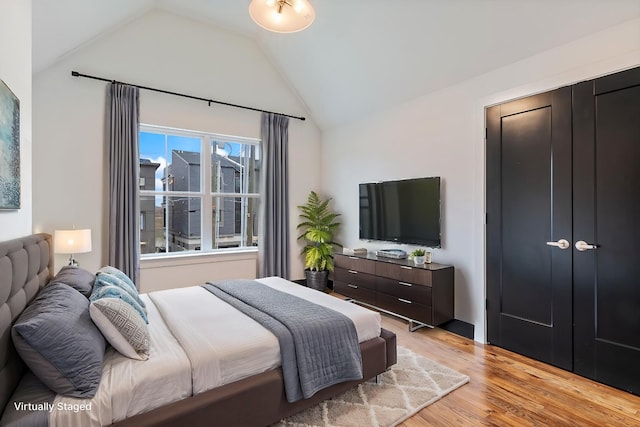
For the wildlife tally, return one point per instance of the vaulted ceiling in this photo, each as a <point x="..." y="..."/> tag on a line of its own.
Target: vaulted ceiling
<point x="359" y="56"/>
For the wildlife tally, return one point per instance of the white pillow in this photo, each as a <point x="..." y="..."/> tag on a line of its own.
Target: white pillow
<point x="122" y="326"/>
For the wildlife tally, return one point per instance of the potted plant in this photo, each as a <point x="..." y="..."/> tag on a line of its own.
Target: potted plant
<point x="418" y="256"/>
<point x="318" y="224"/>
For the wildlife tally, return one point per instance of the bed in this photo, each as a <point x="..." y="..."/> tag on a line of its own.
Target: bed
<point x="247" y="390"/>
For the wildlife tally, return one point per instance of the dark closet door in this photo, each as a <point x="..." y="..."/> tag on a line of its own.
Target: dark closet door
<point x="607" y="214"/>
<point x="529" y="175"/>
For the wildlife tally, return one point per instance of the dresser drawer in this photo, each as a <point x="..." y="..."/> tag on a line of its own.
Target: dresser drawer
<point x="356" y="278"/>
<point x="409" y="291"/>
<point x="361" y="265"/>
<point x="412" y="310"/>
<point x="404" y="273"/>
<point x="356" y="292"/>
<point x="422" y="293"/>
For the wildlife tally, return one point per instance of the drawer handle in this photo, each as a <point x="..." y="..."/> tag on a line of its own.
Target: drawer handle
<point x="405" y="284"/>
<point x="352" y="271"/>
<point x="406" y="267"/>
<point x="406" y="301"/>
<point x="352" y="286"/>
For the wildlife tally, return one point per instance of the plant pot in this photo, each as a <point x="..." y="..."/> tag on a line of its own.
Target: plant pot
<point x="317" y="280"/>
<point x="418" y="260"/>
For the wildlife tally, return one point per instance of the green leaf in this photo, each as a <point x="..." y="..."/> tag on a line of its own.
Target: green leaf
<point x="317" y="227"/>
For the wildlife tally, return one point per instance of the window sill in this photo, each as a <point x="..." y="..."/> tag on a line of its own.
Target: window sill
<point x="174" y="259"/>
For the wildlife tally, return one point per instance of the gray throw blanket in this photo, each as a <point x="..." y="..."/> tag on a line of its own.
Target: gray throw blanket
<point x="318" y="346"/>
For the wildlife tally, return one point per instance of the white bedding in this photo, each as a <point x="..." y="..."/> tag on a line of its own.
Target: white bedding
<point x="222" y="343"/>
<point x="131" y="387"/>
<point x="194" y="347"/>
<point x="367" y="322"/>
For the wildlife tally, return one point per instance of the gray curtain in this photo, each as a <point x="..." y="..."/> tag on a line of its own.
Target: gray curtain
<point x="274" y="224"/>
<point x="123" y="106"/>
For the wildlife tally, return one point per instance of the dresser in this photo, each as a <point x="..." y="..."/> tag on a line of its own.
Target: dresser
<point x="420" y="294"/>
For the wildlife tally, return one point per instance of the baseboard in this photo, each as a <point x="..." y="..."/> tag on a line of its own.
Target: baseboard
<point x="459" y="327"/>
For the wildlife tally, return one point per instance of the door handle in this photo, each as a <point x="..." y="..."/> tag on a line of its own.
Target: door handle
<point x="562" y="244"/>
<point x="582" y="246"/>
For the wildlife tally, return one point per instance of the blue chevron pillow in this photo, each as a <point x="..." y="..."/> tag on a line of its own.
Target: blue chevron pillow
<point x="103" y="289"/>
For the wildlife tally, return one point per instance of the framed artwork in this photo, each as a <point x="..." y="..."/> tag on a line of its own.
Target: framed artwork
<point x="9" y="148"/>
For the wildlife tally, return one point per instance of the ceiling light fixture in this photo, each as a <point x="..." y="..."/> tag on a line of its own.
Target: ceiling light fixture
<point x="282" y="16"/>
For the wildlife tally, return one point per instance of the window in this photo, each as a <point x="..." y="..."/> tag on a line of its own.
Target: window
<point x="198" y="191"/>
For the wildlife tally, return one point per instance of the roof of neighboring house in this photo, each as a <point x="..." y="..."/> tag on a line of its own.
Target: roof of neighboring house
<point x="147" y="162"/>
<point x="193" y="158"/>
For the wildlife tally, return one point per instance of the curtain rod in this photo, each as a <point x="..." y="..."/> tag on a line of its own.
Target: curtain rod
<point x="209" y="101"/>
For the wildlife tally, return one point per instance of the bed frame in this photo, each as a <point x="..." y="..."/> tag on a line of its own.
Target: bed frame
<point x="26" y="266"/>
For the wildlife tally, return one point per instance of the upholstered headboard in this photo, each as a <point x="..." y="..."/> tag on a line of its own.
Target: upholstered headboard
<point x="25" y="266"/>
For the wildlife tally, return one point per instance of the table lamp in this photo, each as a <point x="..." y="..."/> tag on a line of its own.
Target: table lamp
<point x="72" y="242"/>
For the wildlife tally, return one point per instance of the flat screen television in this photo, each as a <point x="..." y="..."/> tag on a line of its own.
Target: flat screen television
<point x="402" y="211"/>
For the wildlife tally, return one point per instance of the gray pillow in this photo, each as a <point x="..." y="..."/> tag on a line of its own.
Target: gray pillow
<point x="29" y="390"/>
<point x="76" y="277"/>
<point x="58" y="341"/>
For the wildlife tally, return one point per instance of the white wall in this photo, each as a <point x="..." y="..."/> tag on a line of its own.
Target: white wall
<point x="15" y="71"/>
<point x="442" y="134"/>
<point x="169" y="52"/>
<point x="158" y="274"/>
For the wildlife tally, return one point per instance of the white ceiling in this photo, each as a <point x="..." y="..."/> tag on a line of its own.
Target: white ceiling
<point x="359" y="56"/>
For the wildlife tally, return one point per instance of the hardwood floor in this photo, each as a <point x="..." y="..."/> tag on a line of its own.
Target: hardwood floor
<point x="507" y="389"/>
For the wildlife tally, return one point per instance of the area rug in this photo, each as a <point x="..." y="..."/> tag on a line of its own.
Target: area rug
<point x="410" y="385"/>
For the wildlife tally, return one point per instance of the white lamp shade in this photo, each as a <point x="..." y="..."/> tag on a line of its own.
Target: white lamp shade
<point x="280" y="16"/>
<point x="72" y="241"/>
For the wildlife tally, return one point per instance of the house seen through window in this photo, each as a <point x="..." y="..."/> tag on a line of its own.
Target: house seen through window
<point x="198" y="191"/>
